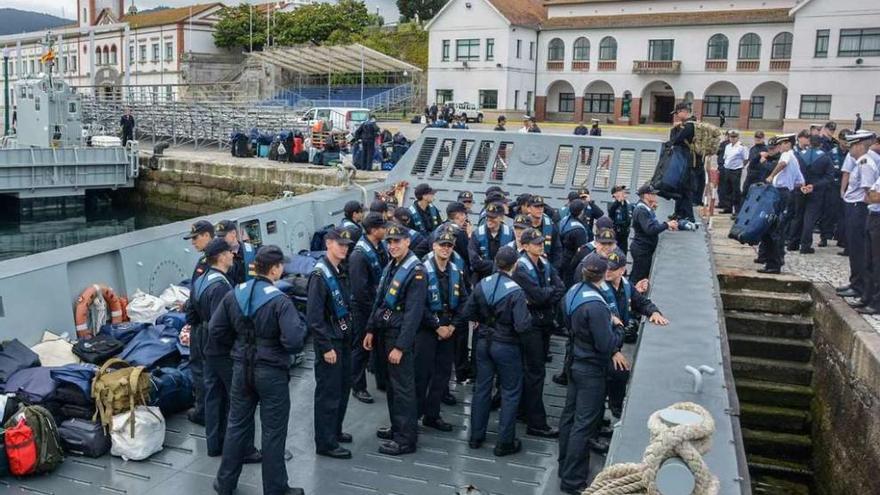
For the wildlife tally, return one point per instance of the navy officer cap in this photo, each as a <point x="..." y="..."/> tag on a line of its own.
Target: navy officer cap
<point x="455" y="207"/>
<point x="594" y="262"/>
<point x="270" y="255"/>
<point x="224" y="227"/>
<point x="445" y="237"/>
<point x="495" y="197"/>
<point x="617" y="259"/>
<point x="494" y="210"/>
<point x="199" y="227"/>
<point x="465" y="196"/>
<point x="338" y="234"/>
<point x="647" y="188"/>
<point x="860" y="135"/>
<point x="606" y="236"/>
<point x="531" y="236"/>
<point x="397" y="231"/>
<point x="521" y="222"/>
<point x="604" y="222"/>
<point x="536" y="200"/>
<point x="216" y="246"/>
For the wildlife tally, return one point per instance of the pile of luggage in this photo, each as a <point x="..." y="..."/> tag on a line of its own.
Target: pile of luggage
<point x="107" y="393"/>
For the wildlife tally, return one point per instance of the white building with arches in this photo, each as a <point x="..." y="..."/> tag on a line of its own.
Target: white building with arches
<point x="760" y="63"/>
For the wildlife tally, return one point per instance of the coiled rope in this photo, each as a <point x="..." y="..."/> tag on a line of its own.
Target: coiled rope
<point x="688" y="442"/>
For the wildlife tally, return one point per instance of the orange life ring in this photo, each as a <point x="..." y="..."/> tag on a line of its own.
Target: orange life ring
<point x="81" y="312"/>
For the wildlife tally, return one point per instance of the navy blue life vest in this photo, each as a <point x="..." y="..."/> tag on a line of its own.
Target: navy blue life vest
<point x="434" y="293"/>
<point x="249" y="254"/>
<point x="254" y="294"/>
<point x="580" y="294"/>
<point x="366" y="247"/>
<point x="496" y="289"/>
<point x="623" y="310"/>
<point x="647" y="208"/>
<point x="532" y="271"/>
<point x="208" y="279"/>
<point x="505" y="236"/>
<point x="607" y="293"/>
<point x="340" y="305"/>
<point x="417" y="220"/>
<point x="400" y="277"/>
<point x="348" y="224"/>
<point x="567" y="224"/>
<point x="547" y="232"/>
<point x="563" y="212"/>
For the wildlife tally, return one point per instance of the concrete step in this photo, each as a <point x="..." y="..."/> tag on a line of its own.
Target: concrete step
<point x="771" y="370"/>
<point x="760" y="301"/>
<point x="731" y="279"/>
<point x="798" y="350"/>
<point x="780" y="468"/>
<point x="765" y="484"/>
<point x="789" y="446"/>
<point x="774" y="418"/>
<point x="768" y="324"/>
<point x="773" y="394"/>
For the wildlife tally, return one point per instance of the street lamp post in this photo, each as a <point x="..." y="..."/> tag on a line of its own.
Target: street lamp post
<point x="5" y="91"/>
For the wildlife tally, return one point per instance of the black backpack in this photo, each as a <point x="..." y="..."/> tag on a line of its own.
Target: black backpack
<point x="317" y="243"/>
<point x="97" y="349"/>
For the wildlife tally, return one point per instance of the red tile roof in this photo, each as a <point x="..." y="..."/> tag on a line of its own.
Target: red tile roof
<point x="166" y="16"/>
<point x="755" y="16"/>
<point x="529" y="13"/>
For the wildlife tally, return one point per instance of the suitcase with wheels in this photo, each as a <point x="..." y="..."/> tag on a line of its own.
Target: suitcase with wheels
<point x="759" y="212"/>
<point x="83" y="437"/>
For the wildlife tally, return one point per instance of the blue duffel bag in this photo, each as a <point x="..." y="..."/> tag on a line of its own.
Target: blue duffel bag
<point x="124" y="331"/>
<point x="33" y="385"/>
<point x="759" y="213"/>
<point x="172" y="389"/>
<point x="154" y="347"/>
<point x="671" y="172"/>
<point x="80" y="375"/>
<point x="174" y="319"/>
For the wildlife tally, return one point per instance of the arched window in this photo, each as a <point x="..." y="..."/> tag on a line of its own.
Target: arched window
<point x="608" y="48"/>
<point x="97" y="55"/>
<point x="781" y="48"/>
<point x="581" y="49"/>
<point x="556" y="50"/>
<point x="717" y="48"/>
<point x="750" y="47"/>
<point x="113" y="55"/>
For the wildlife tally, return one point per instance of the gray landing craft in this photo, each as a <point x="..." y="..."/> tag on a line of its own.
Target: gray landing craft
<point x="37" y="292"/>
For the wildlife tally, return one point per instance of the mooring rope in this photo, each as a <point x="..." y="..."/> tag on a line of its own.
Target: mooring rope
<point x="688" y="442"/>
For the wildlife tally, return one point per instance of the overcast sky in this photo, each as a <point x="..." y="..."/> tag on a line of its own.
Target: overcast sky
<point x="67" y="8"/>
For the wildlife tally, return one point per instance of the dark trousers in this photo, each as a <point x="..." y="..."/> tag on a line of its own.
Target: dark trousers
<point x="731" y="185"/>
<point x="584" y="407"/>
<point x="641" y="267"/>
<point x="873" y="253"/>
<point x="723" y="193"/>
<point x="332" y="387"/>
<point x="856" y="215"/>
<point x="772" y="247"/>
<point x="401" y="394"/>
<point x="379" y="364"/>
<point x="622" y="237"/>
<point x="218" y="386"/>
<point x="368" y="148"/>
<point x="360" y="359"/>
<point x="698" y="183"/>
<point x="812" y="211"/>
<point x="198" y="340"/>
<point x="126" y="137"/>
<point x="534" y="366"/>
<point x="461" y="340"/>
<point x="617" y="380"/>
<point x="269" y="390"/>
<point x="433" y="368"/>
<point x="505" y="361"/>
<point x="832" y="206"/>
<point x="684" y="205"/>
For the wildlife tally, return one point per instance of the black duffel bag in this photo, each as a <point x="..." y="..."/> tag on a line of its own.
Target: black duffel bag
<point x="671" y="175"/>
<point x="97" y="349"/>
<point x="83" y="437"/>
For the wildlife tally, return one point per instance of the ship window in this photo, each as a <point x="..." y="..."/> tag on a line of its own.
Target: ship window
<point x="443" y="158"/>
<point x="647" y="162"/>
<point x="603" y="168"/>
<point x="502" y="160"/>
<point x="582" y="167"/>
<point x="30" y="91"/>
<point x="427" y="149"/>
<point x="23" y="92"/>
<point x="272" y="227"/>
<point x="462" y="158"/>
<point x="37" y="103"/>
<point x="2" y="312"/>
<point x="625" y="163"/>
<point x="250" y="232"/>
<point x="71" y="107"/>
<point x="482" y="160"/>
<point x="563" y="163"/>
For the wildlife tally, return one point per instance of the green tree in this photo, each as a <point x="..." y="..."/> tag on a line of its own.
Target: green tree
<point x="322" y="22"/>
<point x="240" y="25"/>
<point x="407" y="42"/>
<point x="425" y="9"/>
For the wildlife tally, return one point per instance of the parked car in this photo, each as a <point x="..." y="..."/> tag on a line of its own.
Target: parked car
<point x="468" y="111"/>
<point x="343" y="119"/>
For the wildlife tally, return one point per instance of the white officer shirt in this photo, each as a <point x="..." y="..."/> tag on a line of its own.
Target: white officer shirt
<point x="790" y="176"/>
<point x="867" y="163"/>
<point x="735" y="156"/>
<point x="854" y="193"/>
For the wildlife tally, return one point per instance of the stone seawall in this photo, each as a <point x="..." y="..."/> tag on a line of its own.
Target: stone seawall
<point x="846" y="405"/>
<point x="186" y="183"/>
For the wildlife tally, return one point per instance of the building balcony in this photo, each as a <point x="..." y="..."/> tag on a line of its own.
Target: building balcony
<point x="656" y="66"/>
<point x="607" y="65"/>
<point x="555" y="65"/>
<point x="780" y="65"/>
<point x="747" y="65"/>
<point x="716" y="65"/>
<point x="580" y="65"/>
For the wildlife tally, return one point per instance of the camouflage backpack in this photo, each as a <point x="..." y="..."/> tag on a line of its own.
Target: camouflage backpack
<point x="707" y="137"/>
<point x="119" y="390"/>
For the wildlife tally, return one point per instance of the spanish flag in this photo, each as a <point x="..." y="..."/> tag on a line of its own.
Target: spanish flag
<point x="48" y="56"/>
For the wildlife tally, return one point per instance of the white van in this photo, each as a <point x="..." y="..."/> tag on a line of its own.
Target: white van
<point x="346" y="119"/>
<point x="468" y="111"/>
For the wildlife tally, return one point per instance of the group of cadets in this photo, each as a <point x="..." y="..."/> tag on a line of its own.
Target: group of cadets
<point x="410" y="297"/>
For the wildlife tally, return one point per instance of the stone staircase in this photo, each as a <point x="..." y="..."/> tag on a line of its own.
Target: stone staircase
<point x="769" y="331"/>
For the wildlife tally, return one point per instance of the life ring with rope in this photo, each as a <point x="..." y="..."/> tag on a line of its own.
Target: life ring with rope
<point x="85" y="299"/>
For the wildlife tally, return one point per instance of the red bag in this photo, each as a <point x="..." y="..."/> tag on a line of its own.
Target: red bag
<point x="21" y="449"/>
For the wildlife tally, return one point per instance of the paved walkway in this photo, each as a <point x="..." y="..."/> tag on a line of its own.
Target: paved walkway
<point x="823" y="266"/>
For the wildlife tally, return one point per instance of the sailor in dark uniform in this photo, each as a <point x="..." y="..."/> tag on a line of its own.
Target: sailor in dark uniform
<point x="485" y="241"/>
<point x="544" y="224"/>
<point x="447" y="291"/>
<point x="201" y="234"/>
<point x="595" y="130"/>
<point x="543" y="288"/>
<point x="457" y="223"/>
<point x="646" y="231"/>
<point x="621" y="213"/>
<point x="498" y="304"/>
<point x="592" y="211"/>
<point x="396" y="320"/>
<point x="265" y="330"/>
<point x="682" y="135"/>
<point x="243" y="267"/>
<point x="424" y="215"/>
<point x="581" y="129"/>
<point x="205" y="296"/>
<point x="605" y="243"/>
<point x="467" y="199"/>
<point x="572" y="235"/>
<point x="592" y="344"/>
<point x="502" y="122"/>
<point x="329" y="320"/>
<point x="382" y="207"/>
<point x="817" y="169"/>
<point x="420" y="243"/>
<point x="354" y="213"/>
<point x="521" y="223"/>
<point x="365" y="265"/>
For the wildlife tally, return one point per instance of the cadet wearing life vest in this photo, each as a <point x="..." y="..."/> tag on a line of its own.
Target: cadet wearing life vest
<point x="592" y="343"/>
<point x="244" y="252"/>
<point x="785" y="177"/>
<point x="365" y="265"/>
<point x="457" y="222"/>
<point x="486" y="240"/>
<point x="572" y="235"/>
<point x="543" y="288"/>
<point x="353" y="212"/>
<point x="646" y="229"/>
<point x="498" y="304"/>
<point x="264" y="330"/>
<point x="434" y="341"/>
<point x="396" y="319"/>
<point x="206" y="294"/>
<point x="493" y="197"/>
<point x="520" y="224"/>
<point x="329" y="320"/>
<point x="816" y="167"/>
<point x="200" y="235"/>
<point x="621" y="213"/>
<point x="544" y="224"/>
<point x="467" y="199"/>
<point x="604" y="244"/>
<point x="420" y="244"/>
<point x="424" y="215"/>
